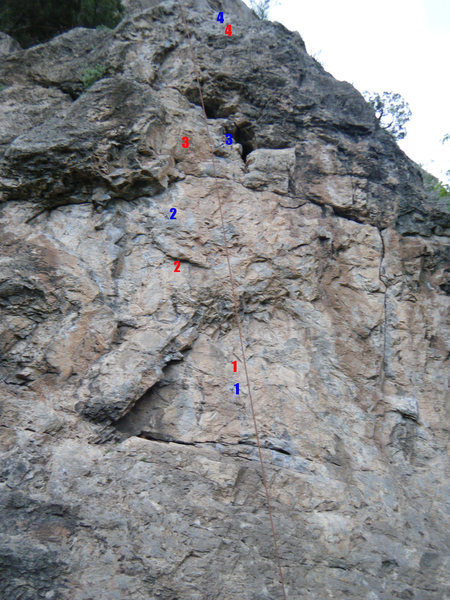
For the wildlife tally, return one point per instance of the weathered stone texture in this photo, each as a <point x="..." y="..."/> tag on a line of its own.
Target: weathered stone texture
<point x="129" y="465"/>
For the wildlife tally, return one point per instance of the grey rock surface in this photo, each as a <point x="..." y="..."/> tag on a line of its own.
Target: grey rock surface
<point x="8" y="44"/>
<point x="129" y="467"/>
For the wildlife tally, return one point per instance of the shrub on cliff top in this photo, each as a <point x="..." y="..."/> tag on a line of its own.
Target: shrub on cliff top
<point x="261" y="8"/>
<point x="31" y="22"/>
<point x="391" y="110"/>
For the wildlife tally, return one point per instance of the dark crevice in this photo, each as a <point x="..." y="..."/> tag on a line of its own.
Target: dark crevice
<point x="343" y="213"/>
<point x="245" y="137"/>
<point x="74" y="89"/>
<point x="266" y="446"/>
<point x="163" y="438"/>
<point x="166" y="439"/>
<point x="280" y="450"/>
<point x="291" y="207"/>
<point x="49" y="209"/>
<point x="445" y="287"/>
<point x="212" y="109"/>
<point x="212" y="105"/>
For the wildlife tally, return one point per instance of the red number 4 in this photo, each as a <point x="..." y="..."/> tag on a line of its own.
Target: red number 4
<point x="228" y="30"/>
<point x="177" y="266"/>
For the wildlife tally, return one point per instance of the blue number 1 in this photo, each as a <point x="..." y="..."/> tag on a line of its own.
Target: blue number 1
<point x="174" y="212"/>
<point x="220" y="17"/>
<point x="229" y="139"/>
<point x="236" y="385"/>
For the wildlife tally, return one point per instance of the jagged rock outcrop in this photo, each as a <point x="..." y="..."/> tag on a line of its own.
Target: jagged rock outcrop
<point x="129" y="467"/>
<point x="8" y="44"/>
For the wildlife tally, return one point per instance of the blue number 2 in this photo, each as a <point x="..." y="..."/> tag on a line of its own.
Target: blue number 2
<point x="220" y="17"/>
<point x="174" y="212"/>
<point x="229" y="139"/>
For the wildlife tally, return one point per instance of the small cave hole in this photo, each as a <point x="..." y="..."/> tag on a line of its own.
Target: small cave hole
<point x="212" y="109"/>
<point x="244" y="136"/>
<point x="212" y="105"/>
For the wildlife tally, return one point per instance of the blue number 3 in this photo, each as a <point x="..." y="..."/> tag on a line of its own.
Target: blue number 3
<point x="229" y="139"/>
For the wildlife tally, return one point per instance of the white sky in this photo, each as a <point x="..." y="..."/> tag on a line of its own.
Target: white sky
<point x="389" y="45"/>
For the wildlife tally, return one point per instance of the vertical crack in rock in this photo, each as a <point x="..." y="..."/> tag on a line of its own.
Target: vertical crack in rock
<point x="384" y="280"/>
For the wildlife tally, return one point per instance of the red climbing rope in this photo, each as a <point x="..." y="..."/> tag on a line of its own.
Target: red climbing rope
<point x="235" y="303"/>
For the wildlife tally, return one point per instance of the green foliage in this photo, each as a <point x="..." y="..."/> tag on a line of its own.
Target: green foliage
<point x="315" y="57"/>
<point x="261" y="8"/>
<point x="92" y="74"/>
<point x="436" y="190"/>
<point x="391" y="110"/>
<point x="443" y="189"/>
<point x="34" y="21"/>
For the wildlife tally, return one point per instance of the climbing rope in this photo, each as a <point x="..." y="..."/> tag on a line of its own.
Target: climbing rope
<point x="235" y="303"/>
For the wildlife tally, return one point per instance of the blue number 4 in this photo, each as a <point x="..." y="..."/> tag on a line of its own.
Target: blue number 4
<point x="229" y="139"/>
<point x="220" y="17"/>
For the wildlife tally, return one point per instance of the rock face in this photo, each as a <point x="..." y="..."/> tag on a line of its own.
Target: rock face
<point x="8" y="44"/>
<point x="129" y="467"/>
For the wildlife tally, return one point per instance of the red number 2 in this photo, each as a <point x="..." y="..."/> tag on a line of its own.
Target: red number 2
<point x="177" y="266"/>
<point x="228" y="30"/>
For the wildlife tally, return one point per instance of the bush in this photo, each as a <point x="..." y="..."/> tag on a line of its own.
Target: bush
<point x="92" y="74"/>
<point x="31" y="22"/>
<point x="435" y="189"/>
<point x="261" y="8"/>
<point x="391" y="111"/>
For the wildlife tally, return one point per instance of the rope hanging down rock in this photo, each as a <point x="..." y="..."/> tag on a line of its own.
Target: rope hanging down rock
<point x="235" y="303"/>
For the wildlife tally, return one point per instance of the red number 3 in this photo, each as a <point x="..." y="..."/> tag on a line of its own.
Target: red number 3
<point x="185" y="143"/>
<point x="177" y="266"/>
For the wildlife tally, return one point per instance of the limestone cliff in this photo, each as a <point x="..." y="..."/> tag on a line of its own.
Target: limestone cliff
<point x="128" y="461"/>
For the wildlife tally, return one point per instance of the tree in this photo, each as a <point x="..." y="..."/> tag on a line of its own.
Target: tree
<point x="261" y="8"/>
<point x="31" y="22"/>
<point x="391" y="110"/>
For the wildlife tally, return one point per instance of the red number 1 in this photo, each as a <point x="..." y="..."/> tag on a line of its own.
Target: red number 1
<point x="234" y="363"/>
<point x="177" y="266"/>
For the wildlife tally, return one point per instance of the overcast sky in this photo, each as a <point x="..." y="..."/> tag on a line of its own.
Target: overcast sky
<point x="389" y="45"/>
